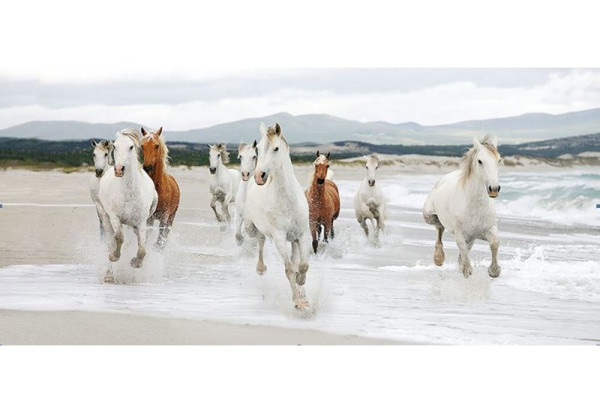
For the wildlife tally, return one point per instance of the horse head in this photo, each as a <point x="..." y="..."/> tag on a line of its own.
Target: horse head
<point x="482" y="163"/>
<point x="321" y="167"/>
<point x="102" y="156"/>
<point x="273" y="149"/>
<point x="126" y="147"/>
<point x="372" y="166"/>
<point x="217" y="155"/>
<point x="247" y="155"/>
<point x="154" y="149"/>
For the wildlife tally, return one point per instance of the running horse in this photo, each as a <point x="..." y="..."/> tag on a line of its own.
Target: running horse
<point x="156" y="162"/>
<point x="323" y="200"/>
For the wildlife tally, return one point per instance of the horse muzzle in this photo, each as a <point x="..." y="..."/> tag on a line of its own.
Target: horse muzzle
<point x="245" y="176"/>
<point x="320" y="181"/>
<point x="99" y="172"/>
<point x="260" y="177"/>
<point x="212" y="170"/>
<point x="119" y="171"/>
<point x="371" y="182"/>
<point x="493" y="191"/>
<point x="148" y="169"/>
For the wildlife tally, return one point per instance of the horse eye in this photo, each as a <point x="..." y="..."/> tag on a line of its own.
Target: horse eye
<point x="254" y="157"/>
<point x="105" y="155"/>
<point x="156" y="146"/>
<point x="499" y="160"/>
<point x="327" y="166"/>
<point x="218" y="155"/>
<point x="131" y="148"/>
<point x="276" y="149"/>
<point x="479" y="161"/>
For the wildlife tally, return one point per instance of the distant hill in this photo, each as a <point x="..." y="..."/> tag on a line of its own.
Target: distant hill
<point x="327" y="129"/>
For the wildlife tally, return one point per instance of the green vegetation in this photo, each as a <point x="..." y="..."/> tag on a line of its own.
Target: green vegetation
<point x="41" y="154"/>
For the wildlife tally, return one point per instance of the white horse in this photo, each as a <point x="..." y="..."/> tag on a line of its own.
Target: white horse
<point x="223" y="181"/>
<point x="127" y="197"/>
<point x="247" y="154"/>
<point x="103" y="160"/>
<point x="460" y="202"/>
<point x="276" y="207"/>
<point x="369" y="202"/>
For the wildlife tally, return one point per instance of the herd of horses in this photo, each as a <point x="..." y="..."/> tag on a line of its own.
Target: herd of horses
<point x="271" y="203"/>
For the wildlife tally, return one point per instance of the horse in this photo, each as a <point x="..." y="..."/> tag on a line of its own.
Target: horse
<point x="323" y="200"/>
<point x="103" y="161"/>
<point x="156" y="162"/>
<point x="276" y="207"/>
<point x="247" y="155"/>
<point x="369" y="202"/>
<point x="460" y="202"/>
<point x="127" y="197"/>
<point x="224" y="182"/>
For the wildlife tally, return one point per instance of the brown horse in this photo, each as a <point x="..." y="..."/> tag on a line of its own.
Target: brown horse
<point x="156" y="161"/>
<point x="323" y="200"/>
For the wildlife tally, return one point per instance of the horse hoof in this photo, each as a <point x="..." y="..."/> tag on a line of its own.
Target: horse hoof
<point x="109" y="279"/>
<point x="494" y="272"/>
<point x="136" y="262"/>
<point x="301" y="305"/>
<point x="261" y="269"/>
<point x="114" y="257"/>
<point x="239" y="239"/>
<point x="467" y="272"/>
<point x="438" y="259"/>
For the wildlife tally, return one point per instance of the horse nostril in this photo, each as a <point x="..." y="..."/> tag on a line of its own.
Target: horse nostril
<point x="263" y="175"/>
<point x="490" y="188"/>
<point x="499" y="188"/>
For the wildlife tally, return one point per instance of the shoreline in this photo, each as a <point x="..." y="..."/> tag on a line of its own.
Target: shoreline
<point x="106" y="328"/>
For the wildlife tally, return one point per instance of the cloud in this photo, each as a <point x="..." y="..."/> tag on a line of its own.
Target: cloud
<point x="427" y="96"/>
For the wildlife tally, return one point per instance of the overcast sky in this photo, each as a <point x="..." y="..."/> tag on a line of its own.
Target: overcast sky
<point x="189" y="100"/>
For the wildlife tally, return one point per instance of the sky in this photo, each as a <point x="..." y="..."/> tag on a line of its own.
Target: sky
<point x="188" y="100"/>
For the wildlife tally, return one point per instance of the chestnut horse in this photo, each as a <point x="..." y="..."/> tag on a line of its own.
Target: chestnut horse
<point x="156" y="161"/>
<point x="323" y="200"/>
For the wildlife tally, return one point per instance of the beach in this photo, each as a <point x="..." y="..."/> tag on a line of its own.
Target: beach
<point x="204" y="290"/>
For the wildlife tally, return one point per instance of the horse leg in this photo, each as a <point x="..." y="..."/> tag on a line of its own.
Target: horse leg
<point x="140" y="233"/>
<point x="332" y="234"/>
<point x="463" y="258"/>
<point x="315" y="229"/>
<point x="492" y="238"/>
<point x="115" y="248"/>
<point x="225" y="208"/>
<point x="213" y="205"/>
<point x="239" y="237"/>
<point x="279" y="239"/>
<point x="325" y="232"/>
<point x="253" y="232"/>
<point x="164" y="229"/>
<point x="379" y="217"/>
<point x="363" y="223"/>
<point x="439" y="257"/>
<point x="302" y="246"/>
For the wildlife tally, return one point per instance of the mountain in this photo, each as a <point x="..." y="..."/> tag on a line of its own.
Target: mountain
<point x="326" y="129"/>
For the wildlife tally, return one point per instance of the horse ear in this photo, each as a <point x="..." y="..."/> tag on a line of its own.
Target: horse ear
<point x="254" y="144"/>
<point x="110" y="145"/>
<point x="277" y="129"/>
<point x="494" y="141"/>
<point x="476" y="143"/>
<point x="94" y="143"/>
<point x="263" y="129"/>
<point x="318" y="154"/>
<point x="328" y="155"/>
<point x="159" y="131"/>
<point x="209" y="147"/>
<point x="144" y="133"/>
<point x="240" y="147"/>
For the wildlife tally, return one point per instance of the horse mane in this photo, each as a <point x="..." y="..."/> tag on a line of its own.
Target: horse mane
<point x="132" y="134"/>
<point x="272" y="134"/>
<point x="222" y="149"/>
<point x="468" y="159"/>
<point x="373" y="158"/>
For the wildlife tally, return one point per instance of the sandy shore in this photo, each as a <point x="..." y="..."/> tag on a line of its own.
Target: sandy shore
<point x="74" y="327"/>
